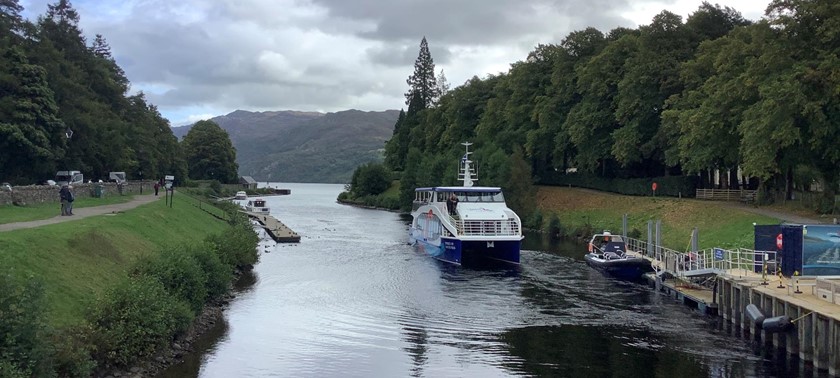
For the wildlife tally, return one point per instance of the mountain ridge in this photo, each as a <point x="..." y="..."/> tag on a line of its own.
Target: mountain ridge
<point x="298" y="146"/>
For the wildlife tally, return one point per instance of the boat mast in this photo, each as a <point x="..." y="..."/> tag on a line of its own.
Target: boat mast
<point x="466" y="173"/>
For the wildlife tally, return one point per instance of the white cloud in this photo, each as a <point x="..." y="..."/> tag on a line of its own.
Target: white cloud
<point x="201" y="58"/>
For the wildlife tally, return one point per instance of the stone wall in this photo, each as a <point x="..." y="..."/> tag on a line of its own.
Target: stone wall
<point x="35" y="194"/>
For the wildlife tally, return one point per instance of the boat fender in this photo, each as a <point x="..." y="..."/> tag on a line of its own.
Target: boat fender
<point x="755" y="315"/>
<point x="590" y="247"/>
<point x="777" y="324"/>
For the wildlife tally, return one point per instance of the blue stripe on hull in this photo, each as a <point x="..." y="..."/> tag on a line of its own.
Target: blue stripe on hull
<point x="466" y="252"/>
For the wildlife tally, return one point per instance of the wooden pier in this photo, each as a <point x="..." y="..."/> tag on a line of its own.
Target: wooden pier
<point x="812" y="303"/>
<point x="276" y="229"/>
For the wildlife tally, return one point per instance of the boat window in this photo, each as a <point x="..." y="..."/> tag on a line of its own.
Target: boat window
<point x="480" y="196"/>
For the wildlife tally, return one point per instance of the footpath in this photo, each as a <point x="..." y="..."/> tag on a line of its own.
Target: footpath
<point x="81" y="213"/>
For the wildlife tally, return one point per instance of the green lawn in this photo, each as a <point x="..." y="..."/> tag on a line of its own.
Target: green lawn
<point x="79" y="259"/>
<point x="717" y="224"/>
<point x="12" y="214"/>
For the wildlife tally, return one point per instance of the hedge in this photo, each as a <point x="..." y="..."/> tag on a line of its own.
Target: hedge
<point x="671" y="186"/>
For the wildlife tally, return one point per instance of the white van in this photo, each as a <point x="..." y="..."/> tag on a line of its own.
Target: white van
<point x="69" y="178"/>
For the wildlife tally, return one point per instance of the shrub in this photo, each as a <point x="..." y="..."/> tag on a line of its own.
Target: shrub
<point x="23" y="344"/>
<point x="635" y="233"/>
<point x="535" y="221"/>
<point x="134" y="319"/>
<point x="72" y="352"/>
<point x="554" y="228"/>
<point x="236" y="247"/>
<point x="180" y="274"/>
<point x="218" y="274"/>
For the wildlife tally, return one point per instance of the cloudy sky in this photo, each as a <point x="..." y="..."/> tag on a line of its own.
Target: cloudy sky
<point x="196" y="59"/>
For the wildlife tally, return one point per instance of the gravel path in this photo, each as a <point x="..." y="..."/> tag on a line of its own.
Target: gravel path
<point x="83" y="213"/>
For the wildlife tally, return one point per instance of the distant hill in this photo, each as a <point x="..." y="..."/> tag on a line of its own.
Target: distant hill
<point x="294" y="146"/>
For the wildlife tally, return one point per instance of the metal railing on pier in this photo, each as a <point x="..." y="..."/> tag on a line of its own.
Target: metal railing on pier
<point x="709" y="261"/>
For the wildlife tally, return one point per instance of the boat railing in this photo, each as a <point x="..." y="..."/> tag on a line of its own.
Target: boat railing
<point x="707" y="261"/>
<point x="505" y="227"/>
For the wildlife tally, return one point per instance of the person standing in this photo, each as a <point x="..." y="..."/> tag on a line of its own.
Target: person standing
<point x="62" y="195"/>
<point x="452" y="204"/>
<point x="157" y="187"/>
<point x="70" y="199"/>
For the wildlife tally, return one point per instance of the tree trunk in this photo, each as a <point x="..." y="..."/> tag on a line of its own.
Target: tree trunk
<point x="789" y="184"/>
<point x="733" y="179"/>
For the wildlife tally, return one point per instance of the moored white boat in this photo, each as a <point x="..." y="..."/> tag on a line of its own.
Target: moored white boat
<point x="241" y="195"/>
<point x="479" y="225"/>
<point x="257" y="206"/>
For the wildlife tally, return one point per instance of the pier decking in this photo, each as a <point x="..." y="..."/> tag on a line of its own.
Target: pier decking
<point x="732" y="283"/>
<point x="275" y="228"/>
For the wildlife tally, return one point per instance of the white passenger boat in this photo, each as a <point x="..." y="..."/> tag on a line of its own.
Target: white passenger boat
<point x="479" y="225"/>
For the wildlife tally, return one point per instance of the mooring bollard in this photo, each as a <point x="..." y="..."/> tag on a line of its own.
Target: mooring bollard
<point x="779" y="273"/>
<point x="764" y="272"/>
<point x="796" y="281"/>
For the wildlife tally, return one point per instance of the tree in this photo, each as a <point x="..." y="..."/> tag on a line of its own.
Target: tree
<point x="209" y="153"/>
<point x="369" y="179"/>
<point x="422" y="83"/>
<point x="32" y="136"/>
<point x="442" y="83"/>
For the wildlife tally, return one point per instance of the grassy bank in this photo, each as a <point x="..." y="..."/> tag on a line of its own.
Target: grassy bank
<point x="78" y="260"/>
<point x="389" y="199"/>
<point x="586" y="211"/>
<point x="12" y="214"/>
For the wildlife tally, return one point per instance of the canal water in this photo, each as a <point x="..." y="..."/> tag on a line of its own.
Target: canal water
<point x="354" y="300"/>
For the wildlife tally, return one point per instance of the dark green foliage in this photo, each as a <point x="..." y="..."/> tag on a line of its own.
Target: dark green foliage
<point x="73" y="351"/>
<point x="135" y="319"/>
<point x="669" y="99"/>
<point x="209" y="153"/>
<point x="535" y="221"/>
<point x="52" y="81"/>
<point x="554" y="228"/>
<point x="370" y="179"/>
<point x="236" y="247"/>
<point x="219" y="275"/>
<point x="423" y="83"/>
<point x="180" y="273"/>
<point x="673" y="186"/>
<point x="24" y="346"/>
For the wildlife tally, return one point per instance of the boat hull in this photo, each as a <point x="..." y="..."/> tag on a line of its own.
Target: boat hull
<point x="468" y="252"/>
<point x="630" y="268"/>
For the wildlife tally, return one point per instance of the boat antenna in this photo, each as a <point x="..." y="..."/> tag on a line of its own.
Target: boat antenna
<point x="466" y="173"/>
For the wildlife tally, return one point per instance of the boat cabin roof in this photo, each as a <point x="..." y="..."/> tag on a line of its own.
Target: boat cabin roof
<point x="477" y="189"/>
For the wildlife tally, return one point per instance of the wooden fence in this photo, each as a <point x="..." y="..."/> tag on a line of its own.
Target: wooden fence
<point x="726" y="195"/>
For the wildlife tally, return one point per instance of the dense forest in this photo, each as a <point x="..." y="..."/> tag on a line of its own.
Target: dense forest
<point x="757" y="101"/>
<point x="65" y="104"/>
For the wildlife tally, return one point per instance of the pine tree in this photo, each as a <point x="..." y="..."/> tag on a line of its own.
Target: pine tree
<point x="442" y="84"/>
<point x="10" y="19"/>
<point x="423" y="83"/>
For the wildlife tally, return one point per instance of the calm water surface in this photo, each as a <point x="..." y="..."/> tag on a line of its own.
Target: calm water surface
<point x="353" y="300"/>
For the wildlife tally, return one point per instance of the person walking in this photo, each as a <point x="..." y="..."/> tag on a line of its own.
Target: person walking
<point x="62" y="196"/>
<point x="157" y="187"/>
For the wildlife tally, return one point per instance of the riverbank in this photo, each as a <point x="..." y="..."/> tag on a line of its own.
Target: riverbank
<point x="75" y="277"/>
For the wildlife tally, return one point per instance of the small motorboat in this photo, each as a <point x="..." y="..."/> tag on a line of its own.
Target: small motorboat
<point x="257" y="206"/>
<point x="608" y="254"/>
<point x="240" y="195"/>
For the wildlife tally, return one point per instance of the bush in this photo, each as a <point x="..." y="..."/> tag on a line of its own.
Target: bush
<point x="236" y="247"/>
<point x="134" y="319"/>
<point x="671" y="186"/>
<point x="180" y="274"/>
<point x="554" y="229"/>
<point x="72" y="352"/>
<point x="635" y="233"/>
<point x="23" y="343"/>
<point x="218" y="274"/>
<point x="535" y="221"/>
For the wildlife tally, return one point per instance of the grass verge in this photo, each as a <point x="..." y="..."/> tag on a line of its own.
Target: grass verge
<point x="78" y="260"/>
<point x="586" y="211"/>
<point x="12" y="214"/>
